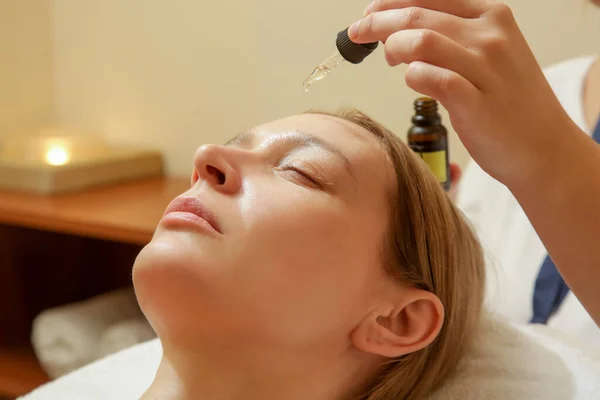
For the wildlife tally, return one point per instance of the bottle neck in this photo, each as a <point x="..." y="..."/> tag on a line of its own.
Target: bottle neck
<point x="427" y="120"/>
<point x="426" y="112"/>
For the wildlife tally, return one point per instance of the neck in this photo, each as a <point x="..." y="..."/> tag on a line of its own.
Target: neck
<point x="213" y="374"/>
<point x="591" y="98"/>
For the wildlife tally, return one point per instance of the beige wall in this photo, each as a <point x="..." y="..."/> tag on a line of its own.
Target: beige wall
<point x="26" y="79"/>
<point x="175" y="74"/>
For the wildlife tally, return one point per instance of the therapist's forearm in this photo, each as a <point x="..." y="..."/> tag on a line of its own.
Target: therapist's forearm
<point x="564" y="207"/>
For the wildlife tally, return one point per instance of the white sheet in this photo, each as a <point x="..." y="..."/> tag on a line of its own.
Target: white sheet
<point x="506" y="363"/>
<point x="122" y="376"/>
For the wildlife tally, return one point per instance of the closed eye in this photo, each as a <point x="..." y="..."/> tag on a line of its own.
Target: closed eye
<point x="305" y="175"/>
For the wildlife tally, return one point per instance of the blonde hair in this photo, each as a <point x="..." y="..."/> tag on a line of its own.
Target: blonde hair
<point x="430" y="247"/>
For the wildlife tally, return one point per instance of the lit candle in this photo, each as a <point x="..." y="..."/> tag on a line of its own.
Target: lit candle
<point x="57" y="154"/>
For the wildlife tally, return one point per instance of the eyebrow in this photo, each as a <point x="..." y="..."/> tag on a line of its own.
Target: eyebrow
<point x="243" y="139"/>
<point x="300" y="138"/>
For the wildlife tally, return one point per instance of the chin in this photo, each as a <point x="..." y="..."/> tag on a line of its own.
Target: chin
<point x="154" y="278"/>
<point x="172" y="283"/>
<point x="170" y="254"/>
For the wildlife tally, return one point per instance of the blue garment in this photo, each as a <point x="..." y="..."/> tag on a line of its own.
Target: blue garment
<point x="550" y="288"/>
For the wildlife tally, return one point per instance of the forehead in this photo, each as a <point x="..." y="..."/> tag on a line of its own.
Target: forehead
<point x="360" y="146"/>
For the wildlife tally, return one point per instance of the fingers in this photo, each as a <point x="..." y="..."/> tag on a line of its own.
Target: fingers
<point x="455" y="173"/>
<point x="377" y="27"/>
<point x="453" y="91"/>
<point x="418" y="34"/>
<point x="405" y="47"/>
<point x="460" y="8"/>
<point x="369" y="8"/>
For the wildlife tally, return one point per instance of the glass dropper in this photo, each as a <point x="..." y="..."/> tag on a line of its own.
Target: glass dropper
<point x="347" y="50"/>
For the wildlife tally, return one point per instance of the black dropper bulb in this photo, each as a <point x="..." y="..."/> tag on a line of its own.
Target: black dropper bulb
<point x="353" y="52"/>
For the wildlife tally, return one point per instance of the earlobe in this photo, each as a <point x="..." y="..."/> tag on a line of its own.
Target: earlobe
<point x="405" y="326"/>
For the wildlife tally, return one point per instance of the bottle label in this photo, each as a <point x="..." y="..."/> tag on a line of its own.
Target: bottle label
<point x="436" y="160"/>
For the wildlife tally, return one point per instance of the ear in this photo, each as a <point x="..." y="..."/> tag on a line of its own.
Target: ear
<point x="408" y="324"/>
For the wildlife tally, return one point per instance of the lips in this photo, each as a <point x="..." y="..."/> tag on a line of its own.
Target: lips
<point x="191" y="205"/>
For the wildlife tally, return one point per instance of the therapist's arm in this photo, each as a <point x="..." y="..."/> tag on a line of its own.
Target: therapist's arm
<point x="471" y="56"/>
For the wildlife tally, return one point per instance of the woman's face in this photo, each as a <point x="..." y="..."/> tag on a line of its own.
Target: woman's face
<point x="300" y="207"/>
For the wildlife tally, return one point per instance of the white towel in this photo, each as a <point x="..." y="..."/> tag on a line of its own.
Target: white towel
<point x="510" y="362"/>
<point x="68" y="337"/>
<point x="123" y="335"/>
<point x="505" y="363"/>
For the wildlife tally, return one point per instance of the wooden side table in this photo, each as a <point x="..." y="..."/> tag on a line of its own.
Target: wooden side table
<point x="56" y="250"/>
<point x="125" y="213"/>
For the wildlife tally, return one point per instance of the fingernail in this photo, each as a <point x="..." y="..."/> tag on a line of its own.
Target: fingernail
<point x="369" y="9"/>
<point x="353" y="30"/>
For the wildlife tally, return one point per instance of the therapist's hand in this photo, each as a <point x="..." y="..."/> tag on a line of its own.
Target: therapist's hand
<point x="471" y="56"/>
<point x="455" y="175"/>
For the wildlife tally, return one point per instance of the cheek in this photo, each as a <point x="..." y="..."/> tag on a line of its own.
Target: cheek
<point x="313" y="258"/>
<point x="303" y="229"/>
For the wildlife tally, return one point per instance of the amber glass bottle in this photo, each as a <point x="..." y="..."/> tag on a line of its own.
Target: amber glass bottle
<point x="429" y="139"/>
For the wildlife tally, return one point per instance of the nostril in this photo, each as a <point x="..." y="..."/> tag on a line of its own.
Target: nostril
<point x="219" y="176"/>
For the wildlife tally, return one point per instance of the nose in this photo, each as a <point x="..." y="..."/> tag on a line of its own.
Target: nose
<point x="217" y="165"/>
